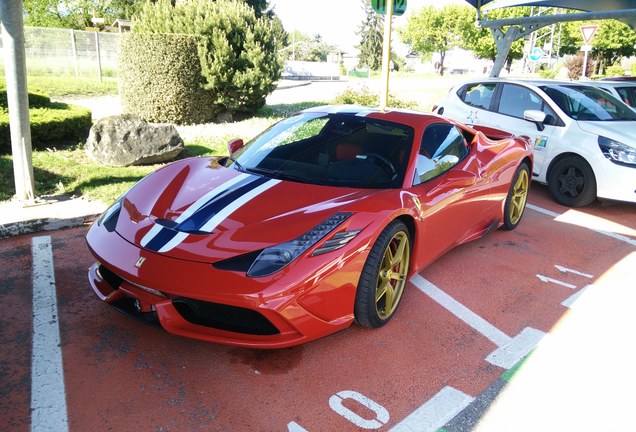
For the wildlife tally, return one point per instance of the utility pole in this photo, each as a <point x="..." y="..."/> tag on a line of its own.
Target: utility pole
<point x="17" y="97"/>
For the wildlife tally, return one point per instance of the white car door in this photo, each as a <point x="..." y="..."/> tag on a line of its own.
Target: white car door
<point x="512" y="101"/>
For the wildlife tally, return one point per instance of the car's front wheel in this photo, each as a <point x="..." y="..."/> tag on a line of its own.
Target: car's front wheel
<point x="572" y="183"/>
<point x="383" y="277"/>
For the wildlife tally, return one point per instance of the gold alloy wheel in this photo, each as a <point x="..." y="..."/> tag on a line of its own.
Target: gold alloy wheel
<point x="392" y="277"/>
<point x="519" y="196"/>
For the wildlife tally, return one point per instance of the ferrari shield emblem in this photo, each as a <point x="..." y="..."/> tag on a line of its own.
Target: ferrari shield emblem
<point x="139" y="262"/>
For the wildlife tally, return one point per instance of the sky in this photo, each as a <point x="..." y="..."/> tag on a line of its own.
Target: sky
<point x="337" y="21"/>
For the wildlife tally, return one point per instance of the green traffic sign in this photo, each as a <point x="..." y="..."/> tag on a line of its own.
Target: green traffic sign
<point x="399" y="6"/>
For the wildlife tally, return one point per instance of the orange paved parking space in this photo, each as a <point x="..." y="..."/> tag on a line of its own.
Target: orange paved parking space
<point x="123" y="375"/>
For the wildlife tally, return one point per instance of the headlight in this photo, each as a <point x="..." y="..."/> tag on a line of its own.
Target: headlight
<point x="276" y="257"/>
<point x="617" y="152"/>
<point x="110" y="216"/>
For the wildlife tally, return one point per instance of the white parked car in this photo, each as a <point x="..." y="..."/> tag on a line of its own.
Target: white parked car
<point x="626" y="90"/>
<point x="584" y="138"/>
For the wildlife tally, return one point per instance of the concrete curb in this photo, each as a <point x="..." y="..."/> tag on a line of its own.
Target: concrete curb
<point x="46" y="214"/>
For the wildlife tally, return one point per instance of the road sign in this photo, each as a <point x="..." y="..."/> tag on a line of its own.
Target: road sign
<point x="536" y="54"/>
<point x="588" y="33"/>
<point x="399" y="6"/>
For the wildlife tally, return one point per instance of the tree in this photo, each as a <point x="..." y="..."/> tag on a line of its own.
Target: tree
<point x="613" y="40"/>
<point x="432" y="30"/>
<point x="480" y="40"/>
<point x="371" y="34"/>
<point x="307" y="48"/>
<point x="75" y="14"/>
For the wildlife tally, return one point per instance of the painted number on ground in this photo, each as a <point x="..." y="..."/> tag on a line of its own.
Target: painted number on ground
<point x="336" y="403"/>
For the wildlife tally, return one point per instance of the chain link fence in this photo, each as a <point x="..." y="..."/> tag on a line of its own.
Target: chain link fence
<point x="52" y="51"/>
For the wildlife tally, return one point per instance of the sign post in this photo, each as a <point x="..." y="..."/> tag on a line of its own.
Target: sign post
<point x="588" y="33"/>
<point x="387" y="8"/>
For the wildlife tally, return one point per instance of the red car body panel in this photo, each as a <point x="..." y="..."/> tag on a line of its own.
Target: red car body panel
<point x="312" y="296"/>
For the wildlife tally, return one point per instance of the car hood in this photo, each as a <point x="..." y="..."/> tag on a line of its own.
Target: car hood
<point x="197" y="210"/>
<point x="621" y="131"/>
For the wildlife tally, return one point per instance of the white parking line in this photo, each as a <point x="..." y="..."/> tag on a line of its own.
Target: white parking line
<point x="558" y="216"/>
<point x="509" y="350"/>
<point x="48" y="396"/>
<point x="435" y="413"/>
<point x="495" y="335"/>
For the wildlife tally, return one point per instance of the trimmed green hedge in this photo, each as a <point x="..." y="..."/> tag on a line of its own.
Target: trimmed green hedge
<point x="161" y="81"/>
<point x="35" y="99"/>
<point x="51" y="125"/>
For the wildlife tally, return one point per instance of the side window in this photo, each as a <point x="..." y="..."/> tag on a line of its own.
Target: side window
<point x="515" y="99"/>
<point x="628" y="94"/>
<point x="442" y="147"/>
<point x="478" y="95"/>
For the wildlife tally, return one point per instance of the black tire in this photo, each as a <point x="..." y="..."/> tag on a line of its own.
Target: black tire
<point x="572" y="182"/>
<point x="378" y="275"/>
<point x="517" y="198"/>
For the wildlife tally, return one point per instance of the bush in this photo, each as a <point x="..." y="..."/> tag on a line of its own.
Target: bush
<point x="35" y="99"/>
<point x="616" y="70"/>
<point x="237" y="51"/>
<point x="575" y="66"/>
<point x="161" y="79"/>
<point x="51" y="125"/>
<point x="366" y="97"/>
<point x="547" y="73"/>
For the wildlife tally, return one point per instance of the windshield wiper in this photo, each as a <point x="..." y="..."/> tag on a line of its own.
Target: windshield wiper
<point x="281" y="175"/>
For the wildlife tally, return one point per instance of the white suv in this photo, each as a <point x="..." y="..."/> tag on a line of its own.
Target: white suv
<point x="584" y="138"/>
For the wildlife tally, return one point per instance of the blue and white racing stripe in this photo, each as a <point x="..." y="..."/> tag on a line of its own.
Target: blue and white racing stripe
<point x="208" y="211"/>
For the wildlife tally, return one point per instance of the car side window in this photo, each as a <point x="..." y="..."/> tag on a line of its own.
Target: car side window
<point x="515" y="99"/>
<point x="478" y="95"/>
<point x="442" y="147"/>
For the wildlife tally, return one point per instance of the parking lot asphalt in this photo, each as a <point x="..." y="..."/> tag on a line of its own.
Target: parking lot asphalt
<point x="560" y="287"/>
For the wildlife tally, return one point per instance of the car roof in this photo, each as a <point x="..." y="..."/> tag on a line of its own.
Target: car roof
<point x="616" y="83"/>
<point x="529" y="81"/>
<point x="399" y="115"/>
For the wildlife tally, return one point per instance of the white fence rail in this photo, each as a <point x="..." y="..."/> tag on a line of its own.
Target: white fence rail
<point x="52" y="51"/>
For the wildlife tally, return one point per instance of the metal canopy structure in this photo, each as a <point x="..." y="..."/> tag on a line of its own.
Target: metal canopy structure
<point x="622" y="10"/>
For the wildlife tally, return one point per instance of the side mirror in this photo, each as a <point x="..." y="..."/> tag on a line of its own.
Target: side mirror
<point x="235" y="145"/>
<point x="537" y="117"/>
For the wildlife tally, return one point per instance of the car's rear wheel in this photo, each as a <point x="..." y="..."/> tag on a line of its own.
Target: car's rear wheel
<point x="517" y="198"/>
<point x="572" y="182"/>
<point x="383" y="277"/>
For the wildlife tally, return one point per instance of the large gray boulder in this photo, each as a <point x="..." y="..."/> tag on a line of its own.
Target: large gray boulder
<point x="125" y="140"/>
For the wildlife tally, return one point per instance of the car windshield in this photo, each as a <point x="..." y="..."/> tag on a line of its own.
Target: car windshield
<point x="344" y="150"/>
<point x="588" y="103"/>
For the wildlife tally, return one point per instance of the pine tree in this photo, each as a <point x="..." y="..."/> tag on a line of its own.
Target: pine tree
<point x="371" y="34"/>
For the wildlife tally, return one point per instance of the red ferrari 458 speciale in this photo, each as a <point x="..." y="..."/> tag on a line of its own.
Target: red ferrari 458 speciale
<point x="316" y="223"/>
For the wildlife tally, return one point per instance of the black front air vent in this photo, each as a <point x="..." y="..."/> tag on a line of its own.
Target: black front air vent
<point x="224" y="317"/>
<point x="113" y="280"/>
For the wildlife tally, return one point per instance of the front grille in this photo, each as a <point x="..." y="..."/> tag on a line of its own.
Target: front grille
<point x="224" y="317"/>
<point x="127" y="306"/>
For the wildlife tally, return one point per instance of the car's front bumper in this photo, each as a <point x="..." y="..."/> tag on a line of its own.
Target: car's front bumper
<point x="194" y="299"/>
<point x="614" y="182"/>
